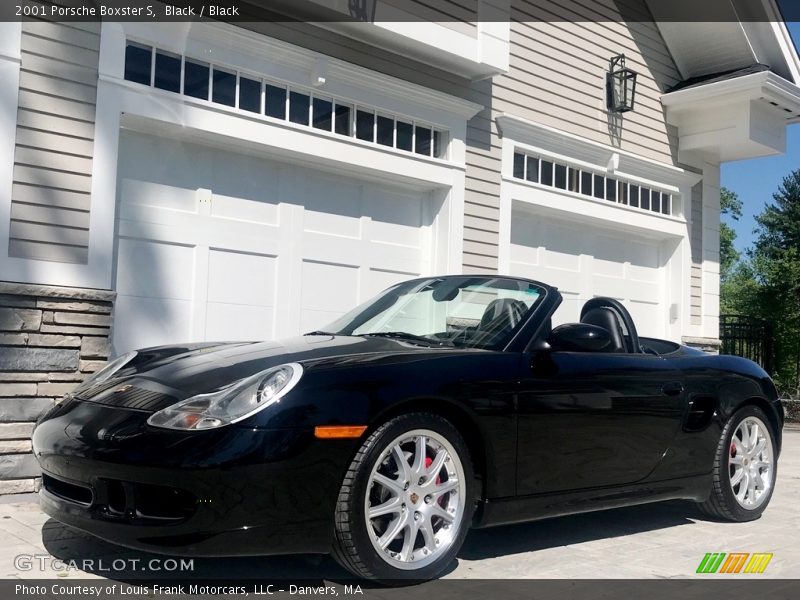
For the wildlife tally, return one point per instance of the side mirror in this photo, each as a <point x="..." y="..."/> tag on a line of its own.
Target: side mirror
<point x="579" y="337"/>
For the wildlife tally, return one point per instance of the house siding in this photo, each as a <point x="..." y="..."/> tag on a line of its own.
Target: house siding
<point x="54" y="145"/>
<point x="557" y="78"/>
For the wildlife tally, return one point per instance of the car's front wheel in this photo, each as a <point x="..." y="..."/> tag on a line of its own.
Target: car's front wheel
<point x="744" y="467"/>
<point x="406" y="501"/>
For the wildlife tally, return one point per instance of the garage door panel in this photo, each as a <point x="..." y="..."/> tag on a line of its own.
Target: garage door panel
<point x="377" y="280"/>
<point x="396" y="234"/>
<point x="276" y="250"/>
<point x="242" y="209"/>
<point x="141" y="321"/>
<point x="643" y="255"/>
<point x="328" y="291"/>
<point x="239" y="278"/>
<point x="646" y="316"/>
<point x="570" y="309"/>
<point x="235" y="321"/>
<point x="395" y="208"/>
<point x="154" y="269"/>
<point x="148" y="193"/>
<point x="589" y="260"/>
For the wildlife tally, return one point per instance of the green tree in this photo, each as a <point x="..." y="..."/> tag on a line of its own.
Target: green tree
<point x="730" y="206"/>
<point x="775" y="261"/>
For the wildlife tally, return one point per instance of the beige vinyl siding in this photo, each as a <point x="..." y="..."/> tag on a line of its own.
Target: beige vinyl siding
<point x="557" y="74"/>
<point x="54" y="144"/>
<point x="696" y="243"/>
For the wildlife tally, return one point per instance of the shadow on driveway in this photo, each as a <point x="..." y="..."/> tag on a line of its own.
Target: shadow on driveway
<point x="96" y="556"/>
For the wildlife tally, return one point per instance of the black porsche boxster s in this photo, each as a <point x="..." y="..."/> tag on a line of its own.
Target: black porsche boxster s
<point x="444" y="403"/>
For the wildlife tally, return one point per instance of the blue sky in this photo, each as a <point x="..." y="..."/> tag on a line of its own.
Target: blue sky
<point x="756" y="180"/>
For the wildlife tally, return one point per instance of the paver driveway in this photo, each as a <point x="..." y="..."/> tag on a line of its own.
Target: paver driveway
<point x="658" y="540"/>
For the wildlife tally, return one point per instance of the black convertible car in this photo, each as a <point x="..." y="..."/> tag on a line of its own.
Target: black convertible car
<point x="444" y="403"/>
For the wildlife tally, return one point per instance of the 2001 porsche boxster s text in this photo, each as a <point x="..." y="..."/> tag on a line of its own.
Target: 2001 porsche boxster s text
<point x="444" y="403"/>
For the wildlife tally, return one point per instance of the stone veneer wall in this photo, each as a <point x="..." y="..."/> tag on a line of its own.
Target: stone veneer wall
<point x="51" y="338"/>
<point x="711" y="345"/>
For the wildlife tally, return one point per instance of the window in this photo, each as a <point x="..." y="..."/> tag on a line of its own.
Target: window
<point x="385" y="130"/>
<point x="532" y="172"/>
<point x="519" y="166"/>
<point x="275" y="101"/>
<point x="599" y="187"/>
<point x="439" y="143"/>
<point x="249" y="94"/>
<point x="365" y="125"/>
<point x="561" y="177"/>
<point x="405" y="136"/>
<point x="422" y="140"/>
<point x="299" y="107"/>
<point x="322" y="114"/>
<point x="195" y="79"/>
<point x="546" y="172"/>
<point x="138" y="61"/>
<point x="168" y="72"/>
<point x="587" y="183"/>
<point x="226" y="86"/>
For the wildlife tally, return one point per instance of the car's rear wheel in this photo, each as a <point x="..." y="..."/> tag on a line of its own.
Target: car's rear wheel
<point x="406" y="502"/>
<point x="744" y="467"/>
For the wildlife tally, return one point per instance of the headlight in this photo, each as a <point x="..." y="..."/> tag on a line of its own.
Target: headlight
<point x="232" y="403"/>
<point x="105" y="373"/>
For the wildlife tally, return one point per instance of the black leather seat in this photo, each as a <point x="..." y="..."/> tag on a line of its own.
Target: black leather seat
<point x="502" y="313"/>
<point x="607" y="319"/>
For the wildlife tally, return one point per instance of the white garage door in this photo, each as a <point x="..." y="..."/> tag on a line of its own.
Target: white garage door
<point x="584" y="260"/>
<point x="214" y="245"/>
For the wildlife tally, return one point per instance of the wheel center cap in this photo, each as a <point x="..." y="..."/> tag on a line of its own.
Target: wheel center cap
<point x="414" y="498"/>
<point x="746" y="461"/>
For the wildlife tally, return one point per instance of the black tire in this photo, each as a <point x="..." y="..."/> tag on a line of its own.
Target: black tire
<point x="353" y="548"/>
<point x="722" y="503"/>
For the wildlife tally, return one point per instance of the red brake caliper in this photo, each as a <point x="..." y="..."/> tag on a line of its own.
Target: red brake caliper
<point x="428" y="463"/>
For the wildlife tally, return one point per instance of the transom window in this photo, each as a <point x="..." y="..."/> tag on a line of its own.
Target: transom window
<point x="254" y="94"/>
<point x="550" y="173"/>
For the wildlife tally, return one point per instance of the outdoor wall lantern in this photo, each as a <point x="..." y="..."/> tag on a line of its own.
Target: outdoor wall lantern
<point x="620" y="85"/>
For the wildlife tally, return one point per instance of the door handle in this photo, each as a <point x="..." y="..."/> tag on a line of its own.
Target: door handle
<point x="672" y="388"/>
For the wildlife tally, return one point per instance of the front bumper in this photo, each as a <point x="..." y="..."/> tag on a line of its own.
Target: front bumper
<point x="232" y="492"/>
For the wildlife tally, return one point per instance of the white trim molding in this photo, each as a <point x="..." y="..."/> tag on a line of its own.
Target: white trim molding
<point x="10" y="60"/>
<point x="734" y="119"/>
<point x="584" y="152"/>
<point x="480" y="52"/>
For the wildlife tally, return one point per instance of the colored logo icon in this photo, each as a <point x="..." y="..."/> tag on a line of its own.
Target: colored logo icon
<point x="734" y="562"/>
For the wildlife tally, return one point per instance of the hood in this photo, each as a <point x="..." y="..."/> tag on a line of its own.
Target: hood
<point x="200" y="368"/>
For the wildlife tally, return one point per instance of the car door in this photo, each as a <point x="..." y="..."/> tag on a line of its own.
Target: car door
<point x="594" y="419"/>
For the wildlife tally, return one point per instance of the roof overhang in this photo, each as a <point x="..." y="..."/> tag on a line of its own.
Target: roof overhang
<point x="726" y="35"/>
<point x="744" y="117"/>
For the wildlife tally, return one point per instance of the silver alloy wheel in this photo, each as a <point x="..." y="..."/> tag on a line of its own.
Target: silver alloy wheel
<point x="750" y="463"/>
<point x="415" y="499"/>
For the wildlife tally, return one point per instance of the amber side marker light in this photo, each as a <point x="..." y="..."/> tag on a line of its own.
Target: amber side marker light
<point x="329" y="432"/>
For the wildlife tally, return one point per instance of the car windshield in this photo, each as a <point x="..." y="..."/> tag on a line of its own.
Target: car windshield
<point x="474" y="312"/>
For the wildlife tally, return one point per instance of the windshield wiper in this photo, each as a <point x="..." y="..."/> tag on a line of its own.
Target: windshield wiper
<point x="409" y="337"/>
<point x="321" y="333"/>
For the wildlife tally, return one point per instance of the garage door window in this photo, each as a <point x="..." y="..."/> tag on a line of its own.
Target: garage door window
<point x="587" y="183"/>
<point x="248" y="92"/>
